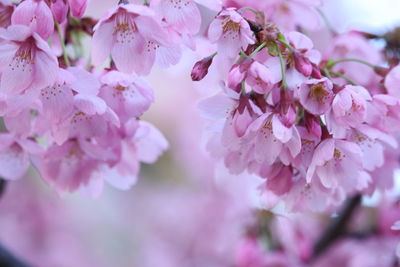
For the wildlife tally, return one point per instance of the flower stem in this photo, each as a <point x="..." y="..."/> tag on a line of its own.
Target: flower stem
<point x="261" y="46"/>
<point x="331" y="64"/>
<point x="338" y="74"/>
<point x="64" y="51"/>
<point x="243" y="86"/>
<point x="286" y="44"/>
<point x="284" y="84"/>
<point x="249" y="9"/>
<point x="326" y="21"/>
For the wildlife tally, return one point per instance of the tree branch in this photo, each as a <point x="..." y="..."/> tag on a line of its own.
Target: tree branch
<point x="337" y="227"/>
<point x="7" y="259"/>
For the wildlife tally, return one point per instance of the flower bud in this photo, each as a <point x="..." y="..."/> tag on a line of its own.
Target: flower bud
<point x="303" y="64"/>
<point x="312" y="125"/>
<point x="59" y="9"/>
<point x="200" y="69"/>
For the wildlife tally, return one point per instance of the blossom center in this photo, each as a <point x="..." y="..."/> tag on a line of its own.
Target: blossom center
<point x="124" y="28"/>
<point x="318" y="93"/>
<point x="24" y="58"/>
<point x="231" y="28"/>
<point x="178" y="3"/>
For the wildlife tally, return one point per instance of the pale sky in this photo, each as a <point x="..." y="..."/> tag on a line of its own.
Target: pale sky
<point x="368" y="15"/>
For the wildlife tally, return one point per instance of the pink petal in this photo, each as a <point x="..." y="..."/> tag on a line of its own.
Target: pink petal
<point x="185" y="16"/>
<point x="133" y="56"/>
<point x="215" y="30"/>
<point x="7" y="52"/>
<point x="90" y="104"/>
<point x="102" y="42"/>
<point x="15" y="79"/>
<point x="281" y="132"/>
<point x="45" y="70"/>
<point x="300" y="41"/>
<point x="85" y="82"/>
<point x="150" y="142"/>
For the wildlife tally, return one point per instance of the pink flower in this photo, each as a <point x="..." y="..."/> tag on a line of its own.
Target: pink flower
<point x="57" y="100"/>
<point x="268" y="133"/>
<point x="372" y="143"/>
<point x="308" y="144"/>
<point x="132" y="36"/>
<point x="392" y="82"/>
<point x="37" y="15"/>
<point x="6" y="10"/>
<point x="302" y="57"/>
<point x="316" y="96"/>
<point x="72" y="108"/>
<point x="349" y="109"/>
<point x="27" y="62"/>
<point x="15" y="155"/>
<point x="142" y="142"/>
<point x="231" y="31"/>
<point x="127" y="95"/>
<point x="260" y="78"/>
<point x="338" y="164"/>
<point x="69" y="166"/>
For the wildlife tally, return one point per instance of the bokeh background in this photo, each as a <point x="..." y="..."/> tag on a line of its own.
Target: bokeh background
<point x="184" y="210"/>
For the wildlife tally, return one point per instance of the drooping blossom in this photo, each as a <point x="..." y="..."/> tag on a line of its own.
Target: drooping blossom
<point x="127" y="95"/>
<point x="316" y="96"/>
<point x="338" y="164"/>
<point x="132" y="36"/>
<point x="231" y="32"/>
<point x="27" y="61"/>
<point x="349" y="109"/>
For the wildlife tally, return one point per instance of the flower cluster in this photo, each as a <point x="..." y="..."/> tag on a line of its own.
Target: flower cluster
<point x="317" y="126"/>
<point x="80" y="125"/>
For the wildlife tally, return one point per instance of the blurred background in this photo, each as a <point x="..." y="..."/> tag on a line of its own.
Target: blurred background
<point x="184" y="210"/>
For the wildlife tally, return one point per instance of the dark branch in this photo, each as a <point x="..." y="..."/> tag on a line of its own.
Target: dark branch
<point x="7" y="259"/>
<point x="337" y="227"/>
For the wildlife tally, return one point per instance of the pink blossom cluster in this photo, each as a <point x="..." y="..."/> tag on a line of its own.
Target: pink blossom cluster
<point x="318" y="127"/>
<point x="78" y="123"/>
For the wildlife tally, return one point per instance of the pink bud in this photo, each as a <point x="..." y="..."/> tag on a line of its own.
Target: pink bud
<point x="313" y="126"/>
<point x="77" y="7"/>
<point x="288" y="118"/>
<point x="316" y="73"/>
<point x="235" y="78"/>
<point x="59" y="9"/>
<point x="303" y="64"/>
<point x="200" y="69"/>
